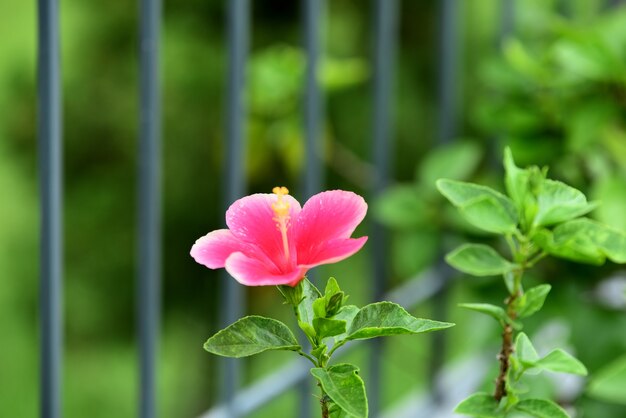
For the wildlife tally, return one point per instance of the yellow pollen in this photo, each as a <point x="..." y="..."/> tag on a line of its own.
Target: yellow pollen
<point x="281" y="212"/>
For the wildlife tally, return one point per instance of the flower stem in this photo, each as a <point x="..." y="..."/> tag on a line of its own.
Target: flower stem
<point x="324" y="403"/>
<point x="505" y="353"/>
<point x="507" y="334"/>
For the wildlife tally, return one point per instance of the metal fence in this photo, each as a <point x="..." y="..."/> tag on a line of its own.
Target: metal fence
<point x="237" y="401"/>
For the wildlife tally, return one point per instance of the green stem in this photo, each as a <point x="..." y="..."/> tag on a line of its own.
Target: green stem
<point x="310" y="357"/>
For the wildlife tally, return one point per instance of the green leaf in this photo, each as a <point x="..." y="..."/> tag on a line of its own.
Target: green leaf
<point x="569" y="242"/>
<point x="557" y="202"/>
<point x="482" y="206"/>
<point x="560" y="361"/>
<point x="387" y="318"/>
<point x="491" y="310"/>
<point x="525" y="351"/>
<point x="325" y="327"/>
<point x="585" y="241"/>
<point x="609" y="384"/>
<point x="480" y="405"/>
<point x="332" y="287"/>
<point x="346" y="314"/>
<point x="556" y="361"/>
<point x="478" y="260"/>
<point x="309" y="295"/>
<point x="252" y="335"/>
<point x="487" y="213"/>
<point x="541" y="408"/>
<point x="516" y="180"/>
<point x="532" y="300"/>
<point x="333" y="296"/>
<point x="456" y="161"/>
<point x="343" y="385"/>
<point x="319" y="308"/>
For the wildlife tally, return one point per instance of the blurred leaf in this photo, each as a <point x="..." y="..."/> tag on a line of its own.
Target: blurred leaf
<point x="252" y="335"/>
<point x="609" y="383"/>
<point x="478" y="260"/>
<point x="532" y="300"/>
<point x="557" y="202"/>
<point x="611" y="192"/>
<point x="337" y="74"/>
<point x="275" y="75"/>
<point x="541" y="408"/>
<point x="482" y="206"/>
<point x="586" y="58"/>
<point x="492" y="310"/>
<point x="401" y="207"/>
<point x="387" y="318"/>
<point x="343" y="385"/>
<point x="480" y="405"/>
<point x="587" y="122"/>
<point x="517" y="55"/>
<point x="456" y="161"/>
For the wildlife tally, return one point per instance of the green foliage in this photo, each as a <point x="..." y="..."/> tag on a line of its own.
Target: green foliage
<point x="252" y="335"/>
<point x="478" y="260"/>
<point x="539" y="217"/>
<point x="345" y="387"/>
<point x="325" y="320"/>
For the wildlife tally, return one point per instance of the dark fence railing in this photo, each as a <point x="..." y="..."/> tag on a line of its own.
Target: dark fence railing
<point x="51" y="191"/>
<point x="236" y="401"/>
<point x="149" y="205"/>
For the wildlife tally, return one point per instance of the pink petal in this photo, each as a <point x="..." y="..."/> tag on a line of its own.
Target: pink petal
<point x="253" y="272"/>
<point x="333" y="251"/>
<point x="213" y="249"/>
<point x="251" y="219"/>
<point x="325" y="217"/>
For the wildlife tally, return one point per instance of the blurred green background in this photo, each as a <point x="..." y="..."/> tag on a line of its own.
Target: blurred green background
<point x="555" y="92"/>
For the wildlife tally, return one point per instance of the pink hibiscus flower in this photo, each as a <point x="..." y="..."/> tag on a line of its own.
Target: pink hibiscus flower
<point x="271" y="240"/>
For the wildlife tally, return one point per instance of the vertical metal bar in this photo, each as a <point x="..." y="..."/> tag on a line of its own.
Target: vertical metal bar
<point x="385" y="37"/>
<point x="313" y="106"/>
<point x="313" y="110"/>
<point x="613" y="3"/>
<point x="447" y="85"/>
<point x="149" y="205"/>
<point x="51" y="191"/>
<point x="507" y="20"/>
<point x="232" y="293"/>
<point x="448" y="93"/>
